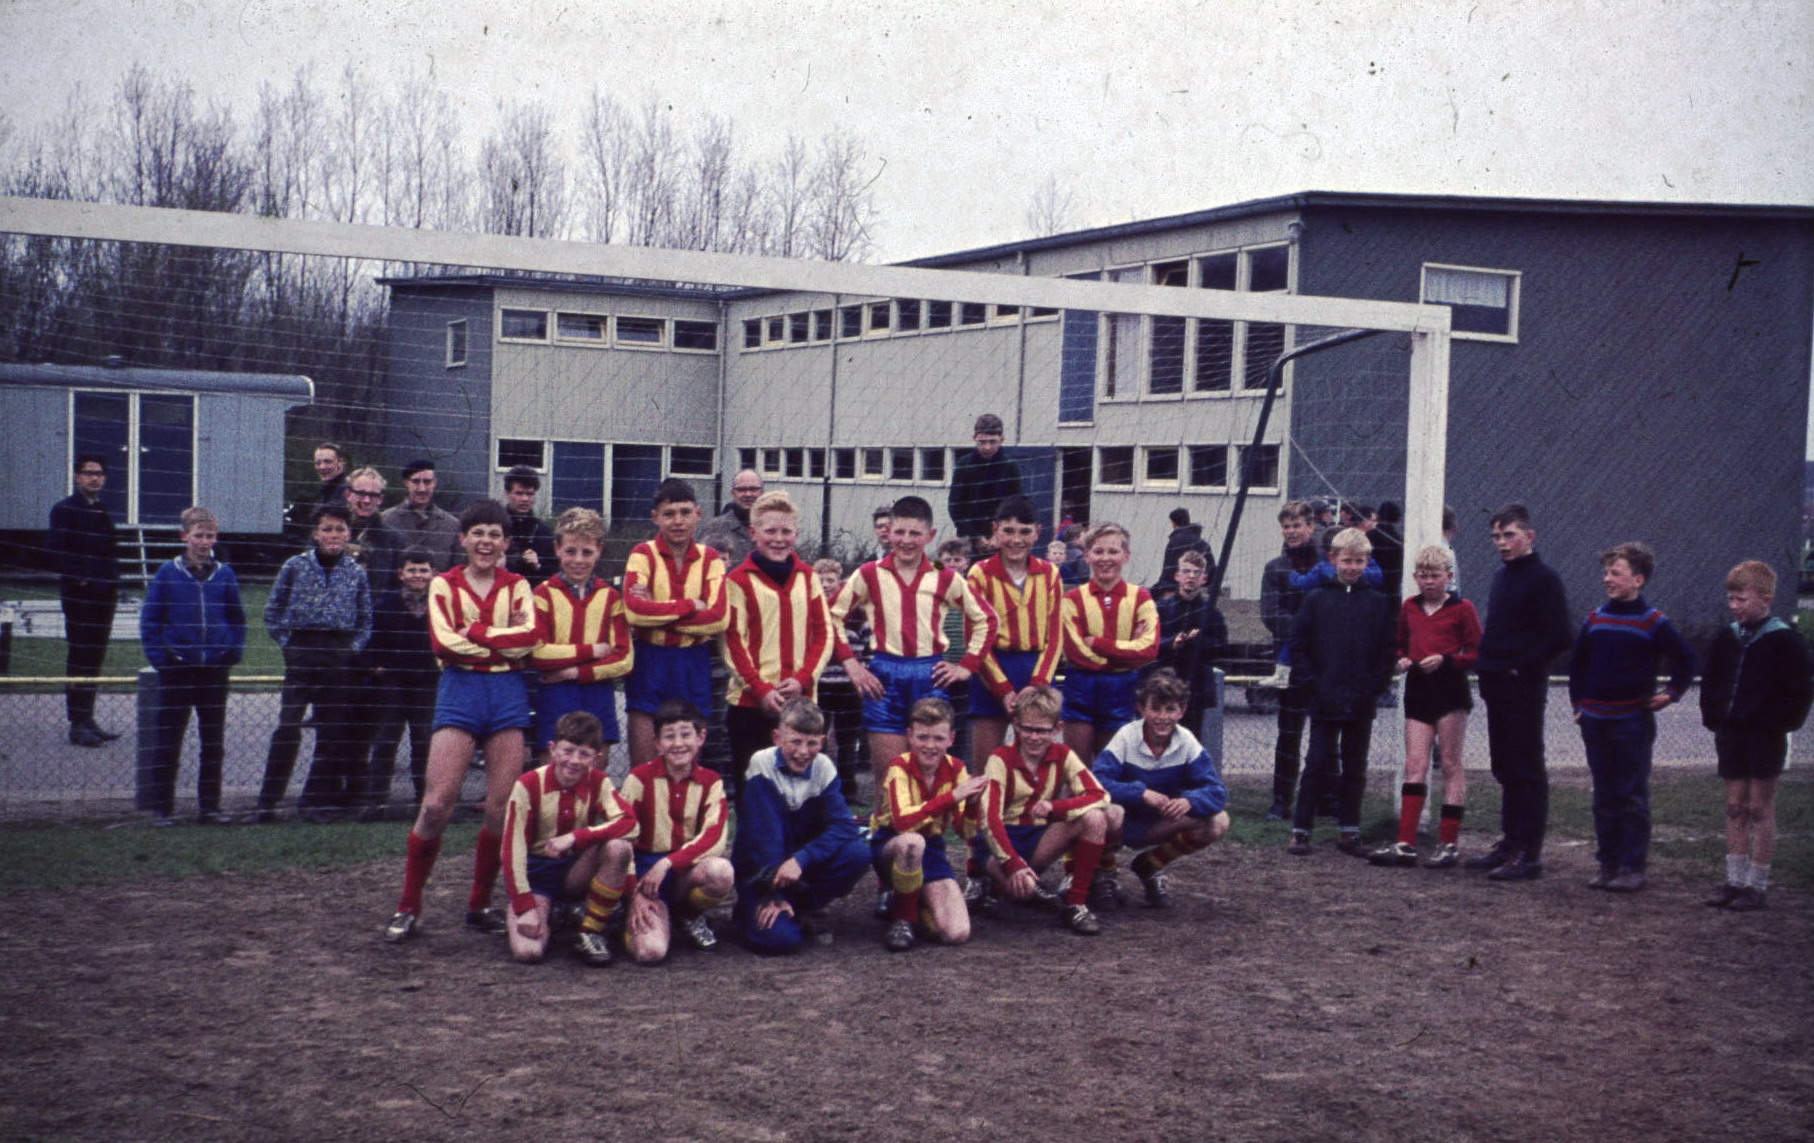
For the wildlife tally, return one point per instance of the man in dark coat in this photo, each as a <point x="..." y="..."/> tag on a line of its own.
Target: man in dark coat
<point x="1185" y="537"/>
<point x="80" y="544"/>
<point x="981" y="480"/>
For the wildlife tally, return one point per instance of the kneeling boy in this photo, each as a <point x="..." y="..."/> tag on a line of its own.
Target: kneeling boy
<point x="1042" y="801"/>
<point x="797" y="848"/>
<point x="1164" y="781"/>
<point x="680" y="817"/>
<point x="923" y="792"/>
<point x="564" y="826"/>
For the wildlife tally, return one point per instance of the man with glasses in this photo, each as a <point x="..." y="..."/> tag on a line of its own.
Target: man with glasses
<point x="80" y="545"/>
<point x="372" y="543"/>
<point x="419" y="523"/>
<point x="729" y="531"/>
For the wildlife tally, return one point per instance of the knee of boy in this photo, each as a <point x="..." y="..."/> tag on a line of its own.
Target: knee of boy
<point x="779" y="939"/>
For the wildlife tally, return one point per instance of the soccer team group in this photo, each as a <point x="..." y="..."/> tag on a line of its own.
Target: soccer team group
<point x="1071" y="775"/>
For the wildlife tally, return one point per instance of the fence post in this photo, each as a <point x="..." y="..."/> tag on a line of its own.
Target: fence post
<point x="1209" y="721"/>
<point x="6" y="640"/>
<point x="150" y="702"/>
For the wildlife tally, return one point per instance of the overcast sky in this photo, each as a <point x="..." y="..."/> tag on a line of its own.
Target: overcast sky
<point x="1140" y="107"/>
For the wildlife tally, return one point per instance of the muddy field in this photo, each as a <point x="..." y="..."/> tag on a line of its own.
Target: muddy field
<point x="1283" y="998"/>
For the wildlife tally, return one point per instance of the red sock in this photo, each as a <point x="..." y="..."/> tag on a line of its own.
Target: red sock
<point x="1410" y="808"/>
<point x="906" y="907"/>
<point x="487" y="860"/>
<point x="1450" y="825"/>
<point x="418" y="862"/>
<point x="1087" y="854"/>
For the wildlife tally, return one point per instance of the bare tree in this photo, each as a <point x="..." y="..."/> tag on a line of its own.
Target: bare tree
<point x="1051" y="209"/>
<point x="605" y="143"/>
<point x="523" y="175"/>
<point x="841" y="211"/>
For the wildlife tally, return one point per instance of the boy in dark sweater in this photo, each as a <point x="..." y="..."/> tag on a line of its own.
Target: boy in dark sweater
<point x="1756" y="689"/>
<point x="1612" y="684"/>
<point x="1343" y="647"/>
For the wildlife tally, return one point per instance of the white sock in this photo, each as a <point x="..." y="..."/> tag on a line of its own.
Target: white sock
<point x="1760" y="876"/>
<point x="1738" y="868"/>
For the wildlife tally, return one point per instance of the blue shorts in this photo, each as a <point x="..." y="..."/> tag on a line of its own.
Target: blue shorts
<point x="1142" y="819"/>
<point x="662" y="673"/>
<point x="1018" y="666"/>
<point x="548" y="875"/>
<point x="904" y="682"/>
<point x="935" y="865"/>
<point x="1104" y="699"/>
<point x="552" y="700"/>
<point x="646" y="862"/>
<point x="481" y="703"/>
<point x="1024" y="839"/>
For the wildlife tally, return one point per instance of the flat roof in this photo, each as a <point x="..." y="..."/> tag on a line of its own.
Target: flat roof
<point x="166" y="380"/>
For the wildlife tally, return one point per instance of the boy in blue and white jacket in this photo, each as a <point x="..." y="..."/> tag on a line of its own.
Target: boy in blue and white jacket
<point x="193" y="628"/>
<point x="797" y="847"/>
<point x="1166" y="783"/>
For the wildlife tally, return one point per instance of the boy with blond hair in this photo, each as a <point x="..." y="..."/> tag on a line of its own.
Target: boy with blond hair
<point x="563" y="827"/>
<point x="1755" y="692"/>
<point x="1111" y="630"/>
<point x="584" y="635"/>
<point x="925" y="792"/>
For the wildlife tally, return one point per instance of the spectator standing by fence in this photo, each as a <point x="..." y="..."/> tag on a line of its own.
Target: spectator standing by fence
<point x="531" y="542"/>
<point x="728" y="533"/>
<point x="981" y="480"/>
<point x="419" y="522"/>
<point x="81" y="550"/>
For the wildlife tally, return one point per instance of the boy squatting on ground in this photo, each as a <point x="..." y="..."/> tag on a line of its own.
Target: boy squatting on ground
<point x="1755" y="691"/>
<point x="1042" y="802"/>
<point x="680" y="825"/>
<point x="1172" y="798"/>
<point x="797" y="848"/>
<point x="564" y="829"/>
<point x="193" y="629"/>
<point x="1612" y="684"/>
<point x="320" y="612"/>
<point x="1343" y="646"/>
<point x="583" y="636"/>
<point x="674" y="596"/>
<point x="924" y="793"/>
<point x="482" y="621"/>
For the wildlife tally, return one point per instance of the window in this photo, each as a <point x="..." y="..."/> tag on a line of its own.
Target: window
<point x="1121" y="343"/>
<point x="456" y="343"/>
<point x="523" y="325"/>
<point x="879" y="316"/>
<point x="1209" y="466"/>
<point x="752" y="333"/>
<point x="907" y="313"/>
<point x="850" y="321"/>
<point x="771" y="462"/>
<point x="932" y="465"/>
<point x="1213" y="370"/>
<point x="1165" y="355"/>
<point x="1265" y="342"/>
<point x="1269" y="270"/>
<point x="1483" y="304"/>
<point x="1004" y="313"/>
<point x="776" y="331"/>
<point x="799" y="328"/>
<point x="821" y="325"/>
<point x="746" y="458"/>
<point x="900" y="464"/>
<point x="641" y="331"/>
<point x="796" y="463"/>
<point x="1034" y="313"/>
<point x="1115" y="466"/>
<point x="1265" y="465"/>
<point x="872" y="463"/>
<point x="514" y="452"/>
<point x="689" y="460"/>
<point x="1161" y="467"/>
<point x="815" y="463"/>
<point x="972" y="313"/>
<point x="938" y="315"/>
<point x="581" y="327"/>
<point x="844" y="464"/>
<point x="699" y="335"/>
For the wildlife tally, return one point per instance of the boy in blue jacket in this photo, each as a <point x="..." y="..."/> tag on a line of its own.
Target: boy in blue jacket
<point x="1164" y="780"/>
<point x="797" y="847"/>
<point x="193" y="628"/>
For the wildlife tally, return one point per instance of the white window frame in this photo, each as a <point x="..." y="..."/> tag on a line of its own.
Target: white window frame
<point x="772" y="462"/>
<point x="1133" y="473"/>
<point x="1184" y="469"/>
<point x="547" y="325"/>
<point x="864" y="456"/>
<point x="1239" y="459"/>
<point x="1514" y="294"/>
<point x="465" y="339"/>
<point x="711" y="461"/>
<point x="1143" y="466"/>
<point x="663" y="340"/>
<point x="674" y="336"/>
<point x="602" y="341"/>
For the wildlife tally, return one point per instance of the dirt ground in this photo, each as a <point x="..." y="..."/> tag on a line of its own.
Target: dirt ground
<point x="1282" y="998"/>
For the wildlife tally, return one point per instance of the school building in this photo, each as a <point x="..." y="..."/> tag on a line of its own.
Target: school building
<point x="1628" y="370"/>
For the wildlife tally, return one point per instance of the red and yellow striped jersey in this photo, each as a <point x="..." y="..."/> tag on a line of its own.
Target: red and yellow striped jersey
<point x="1099" y="627"/>
<point x="1026" y="615"/>
<point x="910" y="804"/>
<point x="908" y="615"/>
<point x="540" y="809"/>
<point x="682" y="818"/>
<point x="1014" y="788"/>
<point x="673" y="617"/>
<point x="776" y="631"/>
<point x="572" y="629"/>
<point x="476" y="634"/>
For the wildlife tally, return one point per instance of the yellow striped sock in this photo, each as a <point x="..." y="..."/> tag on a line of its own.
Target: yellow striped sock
<point x="908" y="882"/>
<point x="699" y="901"/>
<point x="601" y="902"/>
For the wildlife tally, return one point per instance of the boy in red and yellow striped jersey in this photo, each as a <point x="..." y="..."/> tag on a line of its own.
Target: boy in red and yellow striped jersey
<point x="674" y="597"/>
<point x="1041" y="802"/>
<point x="779" y="634"/>
<point x="1111" y="629"/>
<point x="481" y="622"/>
<point x="906" y="596"/>
<point x="680" y="816"/>
<point x="924" y="792"/>
<point x="1025" y="592"/>
<point x="563" y="827"/>
<point x="585" y="637"/>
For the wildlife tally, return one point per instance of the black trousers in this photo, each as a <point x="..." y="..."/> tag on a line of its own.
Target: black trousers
<point x="182" y="689"/>
<point x="321" y="676"/>
<point x="407" y="703"/>
<point x="1288" y="754"/>
<point x="87" y="625"/>
<point x="1514" y="735"/>
<point x="1337" y="760"/>
<point x="749" y="729"/>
